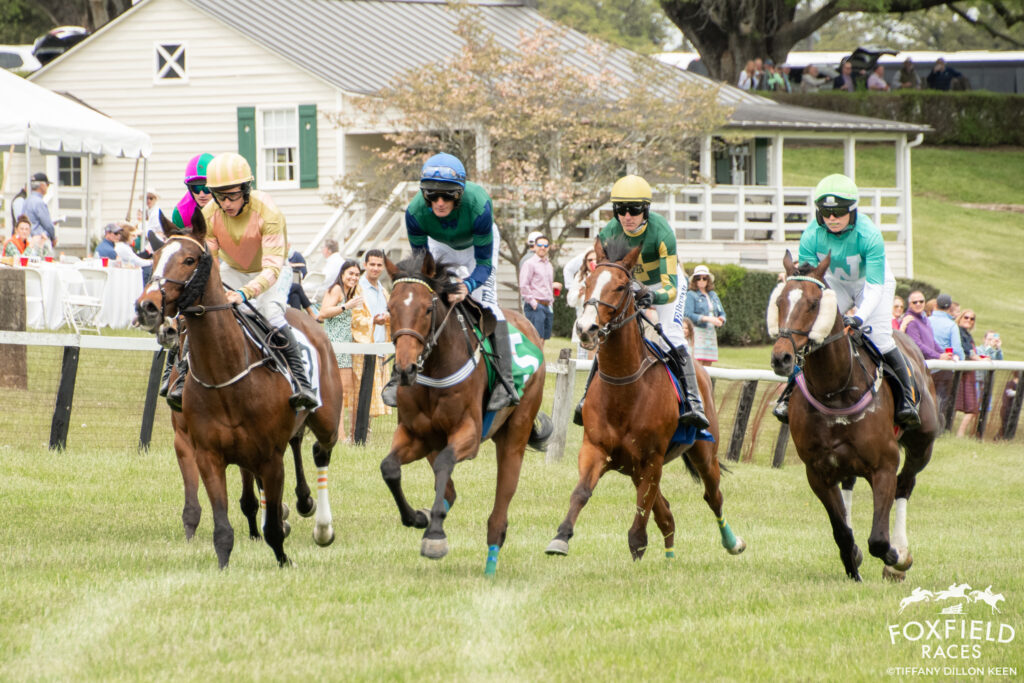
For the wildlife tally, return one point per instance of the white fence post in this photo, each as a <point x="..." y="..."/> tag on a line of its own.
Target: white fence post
<point x="561" y="411"/>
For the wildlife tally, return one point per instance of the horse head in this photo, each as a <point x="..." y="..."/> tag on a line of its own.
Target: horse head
<point x="181" y="269"/>
<point x="801" y="312"/>
<point x="414" y="306"/>
<point x="608" y="298"/>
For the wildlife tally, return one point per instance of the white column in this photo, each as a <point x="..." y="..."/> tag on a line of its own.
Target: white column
<point x="850" y="158"/>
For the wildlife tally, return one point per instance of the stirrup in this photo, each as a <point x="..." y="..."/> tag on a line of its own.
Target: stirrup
<point x="781" y="411"/>
<point x="501" y="398"/>
<point x="175" y="392"/>
<point x="389" y="394"/>
<point x="693" y="418"/>
<point x="908" y="417"/>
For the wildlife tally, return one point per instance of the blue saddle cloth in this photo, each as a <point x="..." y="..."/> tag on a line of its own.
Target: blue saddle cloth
<point x="684" y="434"/>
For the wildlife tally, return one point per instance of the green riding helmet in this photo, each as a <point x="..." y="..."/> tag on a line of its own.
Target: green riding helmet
<point x="836" y="191"/>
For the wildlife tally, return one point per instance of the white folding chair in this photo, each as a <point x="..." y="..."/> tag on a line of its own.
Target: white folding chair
<point x="95" y="281"/>
<point x="35" y="307"/>
<point x="81" y="311"/>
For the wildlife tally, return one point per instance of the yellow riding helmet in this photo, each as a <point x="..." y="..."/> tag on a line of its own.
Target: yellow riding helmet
<point x="227" y="170"/>
<point x="631" y="188"/>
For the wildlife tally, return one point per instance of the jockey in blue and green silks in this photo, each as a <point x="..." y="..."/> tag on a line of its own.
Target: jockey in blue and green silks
<point x="453" y="219"/>
<point x="861" y="278"/>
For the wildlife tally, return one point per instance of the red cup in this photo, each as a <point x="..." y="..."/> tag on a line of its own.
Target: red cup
<point x="105" y="261"/>
<point x="949" y="349"/>
<point x="24" y="260"/>
<point x="558" y="290"/>
<point x="48" y="259"/>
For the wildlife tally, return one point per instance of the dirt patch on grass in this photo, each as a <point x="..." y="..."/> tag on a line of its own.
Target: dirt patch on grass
<point x="1009" y="208"/>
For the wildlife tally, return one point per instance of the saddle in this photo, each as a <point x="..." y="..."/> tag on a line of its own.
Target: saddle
<point x="862" y="342"/>
<point x="480" y="317"/>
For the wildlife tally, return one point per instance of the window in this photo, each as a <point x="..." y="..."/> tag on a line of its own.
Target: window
<point x="279" y="147"/>
<point x="69" y="171"/>
<point x="170" y="62"/>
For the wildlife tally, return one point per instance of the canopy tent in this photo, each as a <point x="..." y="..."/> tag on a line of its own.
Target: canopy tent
<point x="39" y="118"/>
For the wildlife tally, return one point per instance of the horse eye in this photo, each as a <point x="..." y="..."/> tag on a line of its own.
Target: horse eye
<point x="620" y="288"/>
<point x="189" y="261"/>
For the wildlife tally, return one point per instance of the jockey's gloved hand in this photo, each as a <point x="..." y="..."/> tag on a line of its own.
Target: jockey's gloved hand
<point x="643" y="294"/>
<point x="852" y="321"/>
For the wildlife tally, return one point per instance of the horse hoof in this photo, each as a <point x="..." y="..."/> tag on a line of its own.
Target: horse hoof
<point x="422" y="519"/>
<point x="893" y="574"/>
<point x="905" y="561"/>
<point x="323" y="535"/>
<point x="287" y="528"/>
<point x="858" y="558"/>
<point x="284" y="511"/>
<point x="308" y="512"/>
<point x="557" y="547"/>
<point x="434" y="548"/>
<point x="740" y="546"/>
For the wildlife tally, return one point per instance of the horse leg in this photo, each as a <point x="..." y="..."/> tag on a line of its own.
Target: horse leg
<point x="304" y="503"/>
<point x="404" y="449"/>
<point x="703" y="459"/>
<point x="666" y="523"/>
<point x="435" y="544"/>
<point x="249" y="504"/>
<point x="883" y="487"/>
<point x="211" y="468"/>
<point x="646" y="480"/>
<point x="829" y="496"/>
<point x="592" y="465"/>
<point x="509" y="449"/>
<point x="847" y="492"/>
<point x="916" y="458"/>
<point x="272" y="478"/>
<point x="191" y="512"/>
<point x="323" y="531"/>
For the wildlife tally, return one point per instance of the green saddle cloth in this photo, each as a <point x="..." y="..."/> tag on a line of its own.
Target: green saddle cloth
<point x="526" y="357"/>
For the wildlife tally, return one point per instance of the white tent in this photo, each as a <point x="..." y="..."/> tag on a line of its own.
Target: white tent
<point x="35" y="117"/>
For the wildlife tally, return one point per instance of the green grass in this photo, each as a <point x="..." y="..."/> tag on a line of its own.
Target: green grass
<point x="100" y="585"/>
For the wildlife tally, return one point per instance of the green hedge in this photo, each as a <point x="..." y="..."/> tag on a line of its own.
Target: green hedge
<point x="973" y="118"/>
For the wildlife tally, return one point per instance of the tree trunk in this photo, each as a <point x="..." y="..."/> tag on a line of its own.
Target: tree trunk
<point x="98" y="13"/>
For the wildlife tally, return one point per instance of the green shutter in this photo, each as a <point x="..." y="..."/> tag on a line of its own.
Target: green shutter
<point x="247" y="136"/>
<point x="761" y="161"/>
<point x="307" y="146"/>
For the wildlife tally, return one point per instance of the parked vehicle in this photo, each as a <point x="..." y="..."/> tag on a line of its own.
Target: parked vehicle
<point x="18" y="58"/>
<point x="56" y="42"/>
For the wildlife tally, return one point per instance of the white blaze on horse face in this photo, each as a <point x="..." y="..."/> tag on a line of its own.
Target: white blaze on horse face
<point x="589" y="317"/>
<point x="166" y="253"/>
<point x="408" y="300"/>
<point x="793" y="298"/>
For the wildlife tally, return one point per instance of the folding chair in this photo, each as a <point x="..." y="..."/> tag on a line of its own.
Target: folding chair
<point x="81" y="311"/>
<point x="35" y="307"/>
<point x="95" y="281"/>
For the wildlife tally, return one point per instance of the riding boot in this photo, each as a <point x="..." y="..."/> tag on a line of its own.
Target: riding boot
<point x="781" y="409"/>
<point x="165" y="381"/>
<point x="176" y="390"/>
<point x="304" y="396"/>
<point x="577" y="417"/>
<point x="504" y="392"/>
<point x="695" y="414"/>
<point x="906" y="409"/>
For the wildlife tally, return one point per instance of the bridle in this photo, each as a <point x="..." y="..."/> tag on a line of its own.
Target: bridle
<point x="620" y="309"/>
<point x="434" y="331"/>
<point x="191" y="287"/>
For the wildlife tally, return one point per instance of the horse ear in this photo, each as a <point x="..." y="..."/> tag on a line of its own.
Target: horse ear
<point x="168" y="228"/>
<point x="599" y="250"/>
<point x="787" y="263"/>
<point x="630" y="260"/>
<point x="429" y="266"/>
<point x="199" y="226"/>
<point x="390" y="267"/>
<point x="822" y="268"/>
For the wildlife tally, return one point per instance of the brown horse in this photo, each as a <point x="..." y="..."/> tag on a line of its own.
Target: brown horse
<point x="235" y="409"/>
<point x="631" y="412"/>
<point x="442" y="381"/>
<point x="851" y="431"/>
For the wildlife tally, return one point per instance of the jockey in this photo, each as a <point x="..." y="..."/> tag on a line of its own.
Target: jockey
<point x="452" y="218"/>
<point x="197" y="196"/>
<point x="656" y="269"/>
<point x="862" y="280"/>
<point x="248" y="232"/>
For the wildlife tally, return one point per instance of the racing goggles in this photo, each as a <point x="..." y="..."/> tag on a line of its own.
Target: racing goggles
<point x="433" y="195"/>
<point x="834" y="212"/>
<point x="633" y="209"/>
<point x="198" y="188"/>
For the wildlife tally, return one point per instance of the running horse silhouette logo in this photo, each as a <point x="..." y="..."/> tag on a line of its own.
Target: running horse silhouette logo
<point x="986" y="596"/>
<point x="917" y="595"/>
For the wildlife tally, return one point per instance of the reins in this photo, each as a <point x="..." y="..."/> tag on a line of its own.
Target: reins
<point x="620" y="320"/>
<point x="433" y="335"/>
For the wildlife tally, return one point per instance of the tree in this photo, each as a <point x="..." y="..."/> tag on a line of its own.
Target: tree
<point x="727" y="33"/>
<point x="556" y="136"/>
<point x="637" y="25"/>
<point x="22" y="21"/>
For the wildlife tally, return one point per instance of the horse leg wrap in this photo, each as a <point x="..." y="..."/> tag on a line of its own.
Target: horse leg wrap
<point x="492" y="560"/>
<point x="728" y="537"/>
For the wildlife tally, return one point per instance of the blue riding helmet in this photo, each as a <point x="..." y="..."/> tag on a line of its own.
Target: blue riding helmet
<point x="441" y="171"/>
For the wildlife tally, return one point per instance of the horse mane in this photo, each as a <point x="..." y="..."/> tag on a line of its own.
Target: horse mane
<point x="412" y="267"/>
<point x="804" y="269"/>
<point x="616" y="248"/>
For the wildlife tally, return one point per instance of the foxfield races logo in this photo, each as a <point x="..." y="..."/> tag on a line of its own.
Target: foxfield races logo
<point x="953" y="628"/>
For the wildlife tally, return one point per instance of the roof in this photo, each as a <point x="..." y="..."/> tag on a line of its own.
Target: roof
<point x="782" y="117"/>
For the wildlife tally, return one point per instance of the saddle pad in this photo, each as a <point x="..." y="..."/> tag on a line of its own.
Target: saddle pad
<point x="684" y="434"/>
<point x="526" y="357"/>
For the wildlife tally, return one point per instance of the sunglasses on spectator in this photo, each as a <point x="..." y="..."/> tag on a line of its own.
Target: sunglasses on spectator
<point x="631" y="209"/>
<point x="917" y="301"/>
<point x="968" y="317"/>
<point x="227" y="196"/>
<point x="701" y="277"/>
<point x="541" y="244"/>
<point x="433" y="195"/>
<point x="834" y="213"/>
<point x="199" y="189"/>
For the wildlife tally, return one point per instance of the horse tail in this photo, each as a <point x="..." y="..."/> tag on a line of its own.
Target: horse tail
<point x="690" y="468"/>
<point x="540" y="432"/>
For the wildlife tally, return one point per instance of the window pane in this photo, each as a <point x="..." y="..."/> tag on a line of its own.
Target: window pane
<point x="69" y="171"/>
<point x="279" y="142"/>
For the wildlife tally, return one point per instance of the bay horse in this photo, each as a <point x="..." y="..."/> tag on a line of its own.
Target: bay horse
<point x="441" y="386"/>
<point x="842" y="420"/>
<point x="234" y="408"/>
<point x="631" y="412"/>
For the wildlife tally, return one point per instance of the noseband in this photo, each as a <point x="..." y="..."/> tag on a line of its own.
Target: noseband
<point x="435" y="330"/>
<point x="811" y="346"/>
<point x="192" y="287"/>
<point x="620" y="318"/>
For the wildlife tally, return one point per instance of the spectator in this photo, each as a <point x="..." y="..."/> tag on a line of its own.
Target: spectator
<point x="747" y="79"/>
<point x="688" y="331"/>
<point x="906" y="78"/>
<point x="296" y="294"/>
<point x="332" y="265"/>
<point x="811" y="80"/>
<point x="915" y="324"/>
<point x="336" y="315"/>
<point x="16" y="244"/>
<point x="127" y="256"/>
<point x="575" y="283"/>
<point x="845" y="80"/>
<point x="38" y="247"/>
<point x="876" y="81"/>
<point x="529" y="253"/>
<point x="759" y="82"/>
<point x="538" y="289"/>
<point x="947" y="336"/>
<point x="898" y="309"/>
<point x="37" y="211"/>
<point x="992" y="346"/>
<point x="376" y="301"/>
<point x="929" y="307"/>
<point x="1009" y="394"/>
<point x="105" y="249"/>
<point x="941" y="77"/>
<point x="773" y="77"/>
<point x="150" y="220"/>
<point x="704" y="309"/>
<point x="785" y="72"/>
<point x="967" y="394"/>
<point x="18" y="206"/>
